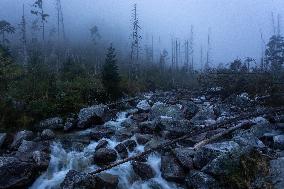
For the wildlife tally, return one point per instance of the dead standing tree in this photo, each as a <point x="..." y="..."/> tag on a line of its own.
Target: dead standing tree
<point x="39" y="11"/>
<point x="135" y="45"/>
<point x="23" y="38"/>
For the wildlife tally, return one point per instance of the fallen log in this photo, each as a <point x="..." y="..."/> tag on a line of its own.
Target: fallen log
<point x="246" y="125"/>
<point x="191" y="134"/>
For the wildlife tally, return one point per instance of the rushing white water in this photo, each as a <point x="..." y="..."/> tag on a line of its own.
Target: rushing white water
<point x="63" y="160"/>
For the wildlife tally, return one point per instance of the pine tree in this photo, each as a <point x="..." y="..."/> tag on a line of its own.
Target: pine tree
<point x="110" y="75"/>
<point x="6" y="28"/>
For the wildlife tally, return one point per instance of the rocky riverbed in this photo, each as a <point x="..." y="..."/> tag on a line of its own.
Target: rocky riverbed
<point x="61" y="153"/>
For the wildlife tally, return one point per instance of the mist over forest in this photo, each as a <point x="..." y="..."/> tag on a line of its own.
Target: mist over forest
<point x="142" y="94"/>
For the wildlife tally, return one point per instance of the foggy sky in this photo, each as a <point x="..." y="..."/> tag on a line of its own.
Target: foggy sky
<point x="235" y="24"/>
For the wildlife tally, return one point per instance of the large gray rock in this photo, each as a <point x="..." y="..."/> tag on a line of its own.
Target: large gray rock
<point x="185" y="157"/>
<point x="78" y="180"/>
<point x="102" y="144"/>
<point x="189" y="108"/>
<point x="143" y="170"/>
<point x="278" y="142"/>
<point x="174" y="128"/>
<point x="130" y="144"/>
<point x="92" y="116"/>
<point x="147" y="127"/>
<point x="172" y="111"/>
<point x="16" y="174"/>
<point x="47" y="134"/>
<point x="3" y="137"/>
<point x="277" y="173"/>
<point x="20" y="136"/>
<point x="171" y="169"/>
<point x="69" y="124"/>
<point x="248" y="140"/>
<point x="200" y="180"/>
<point x="210" y="151"/>
<point x="107" y="181"/>
<point x="41" y="159"/>
<point x="105" y="156"/>
<point x="143" y="105"/>
<point x="143" y="139"/>
<point x="121" y="150"/>
<point x="101" y="133"/>
<point x="205" y="116"/>
<point x="55" y="123"/>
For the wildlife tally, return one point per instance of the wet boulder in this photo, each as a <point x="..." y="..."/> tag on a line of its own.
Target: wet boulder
<point x="143" y="139"/>
<point x="185" y="157"/>
<point x="3" y="137"/>
<point x="147" y="127"/>
<point x="41" y="159"/>
<point x="248" y="140"/>
<point x="102" y="144"/>
<point x="174" y="128"/>
<point x="164" y="110"/>
<point x="105" y="156"/>
<point x="277" y="173"/>
<point x="171" y="169"/>
<point x="204" y="117"/>
<point x="210" y="151"/>
<point x="101" y="133"/>
<point x="278" y="142"/>
<point x="106" y="180"/>
<point x="189" y="108"/>
<point x="143" y="170"/>
<point x="94" y="115"/>
<point x="78" y="180"/>
<point x="130" y="144"/>
<point x="15" y="173"/>
<point x="121" y="150"/>
<point x="20" y="136"/>
<point x="69" y="124"/>
<point x="143" y="105"/>
<point x="27" y="148"/>
<point x="140" y="117"/>
<point x="55" y="123"/>
<point x="200" y="180"/>
<point x="47" y="134"/>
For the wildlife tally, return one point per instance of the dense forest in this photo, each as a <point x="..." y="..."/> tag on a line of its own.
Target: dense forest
<point x="46" y="78"/>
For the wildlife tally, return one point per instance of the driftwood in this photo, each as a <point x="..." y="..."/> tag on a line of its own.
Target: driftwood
<point x="191" y="134"/>
<point x="246" y="124"/>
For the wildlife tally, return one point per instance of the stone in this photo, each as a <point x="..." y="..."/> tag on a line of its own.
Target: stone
<point x="277" y="173"/>
<point x="171" y="170"/>
<point x="47" y="134"/>
<point x="143" y="170"/>
<point x="69" y="124"/>
<point x="130" y="145"/>
<point x="210" y="151"/>
<point x="16" y="174"/>
<point x="171" y="111"/>
<point x="41" y="159"/>
<point x="121" y="150"/>
<point x="200" y="180"/>
<point x="204" y="116"/>
<point x="175" y="128"/>
<point x="94" y="115"/>
<point x="143" y="105"/>
<point x="278" y="142"/>
<point x="185" y="157"/>
<point x="102" y="144"/>
<point x="143" y="139"/>
<point x="106" y="181"/>
<point x="248" y="140"/>
<point x="102" y="133"/>
<point x="189" y="109"/>
<point x="3" y="137"/>
<point x="105" y="156"/>
<point x="140" y="117"/>
<point x="78" y="180"/>
<point x="20" y="136"/>
<point x="147" y="127"/>
<point x="55" y="123"/>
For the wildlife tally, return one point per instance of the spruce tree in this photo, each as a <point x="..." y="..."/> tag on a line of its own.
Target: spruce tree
<point x="110" y="75"/>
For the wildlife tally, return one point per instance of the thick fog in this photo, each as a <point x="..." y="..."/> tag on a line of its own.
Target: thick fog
<point x="235" y="24"/>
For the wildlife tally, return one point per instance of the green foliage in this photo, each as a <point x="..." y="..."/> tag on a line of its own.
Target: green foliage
<point x="110" y="75"/>
<point x="275" y="53"/>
